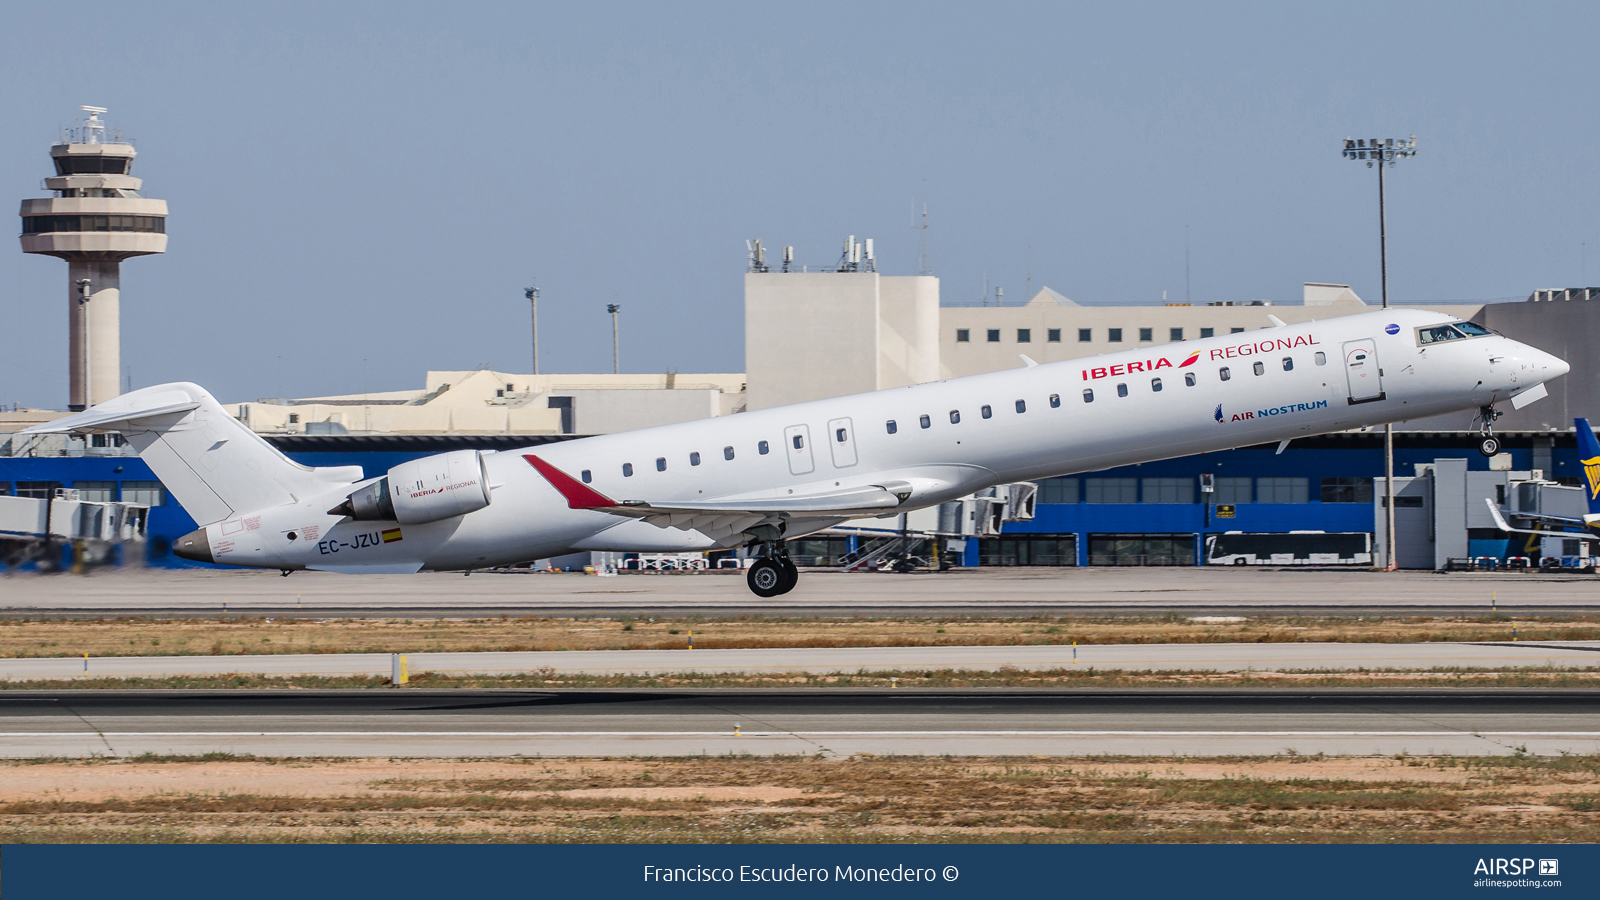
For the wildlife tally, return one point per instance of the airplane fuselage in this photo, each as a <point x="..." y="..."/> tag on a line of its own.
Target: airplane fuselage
<point x="945" y="439"/>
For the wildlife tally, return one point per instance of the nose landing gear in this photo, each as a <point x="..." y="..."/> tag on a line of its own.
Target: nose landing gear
<point x="1489" y="445"/>
<point x="774" y="573"/>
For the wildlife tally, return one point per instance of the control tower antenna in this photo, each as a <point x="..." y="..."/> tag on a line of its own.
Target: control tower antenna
<point x="94" y="220"/>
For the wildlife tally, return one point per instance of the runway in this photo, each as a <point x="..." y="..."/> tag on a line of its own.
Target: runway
<point x="409" y="723"/>
<point x="993" y="591"/>
<point x="830" y="660"/>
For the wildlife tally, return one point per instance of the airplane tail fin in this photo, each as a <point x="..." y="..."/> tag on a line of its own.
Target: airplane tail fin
<point x="213" y="465"/>
<point x="1589" y="458"/>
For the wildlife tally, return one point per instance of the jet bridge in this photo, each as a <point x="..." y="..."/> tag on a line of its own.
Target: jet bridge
<point x="35" y="530"/>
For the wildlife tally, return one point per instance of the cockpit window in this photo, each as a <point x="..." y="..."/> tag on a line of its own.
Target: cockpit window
<point x="1438" y="333"/>
<point x="1473" y="329"/>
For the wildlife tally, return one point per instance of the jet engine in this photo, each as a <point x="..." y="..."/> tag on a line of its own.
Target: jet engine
<point x="423" y="490"/>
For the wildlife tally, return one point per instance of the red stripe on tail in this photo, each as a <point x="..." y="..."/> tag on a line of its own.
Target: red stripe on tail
<point x="578" y="494"/>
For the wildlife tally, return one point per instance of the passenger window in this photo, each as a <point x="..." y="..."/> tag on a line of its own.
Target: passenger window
<point x="799" y="442"/>
<point x="1122" y="390"/>
<point x="840" y="436"/>
<point x="1321" y="358"/>
<point x="1257" y="367"/>
<point x="1055" y="401"/>
<point x="627" y="470"/>
<point x="1088" y="395"/>
<point x="985" y="411"/>
<point x="661" y="464"/>
<point x="891" y="426"/>
<point x="727" y="453"/>
<point x="1022" y="406"/>
<point x="1288" y="363"/>
<point x="1188" y="379"/>
<point x="694" y="458"/>
<point x="1155" y="384"/>
<point x="955" y="417"/>
<point x="1224" y="374"/>
<point x="762" y="448"/>
<point x="587" y="477"/>
<point x="926" y="421"/>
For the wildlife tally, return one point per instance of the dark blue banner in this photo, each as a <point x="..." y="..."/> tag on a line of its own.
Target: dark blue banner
<point x="342" y="872"/>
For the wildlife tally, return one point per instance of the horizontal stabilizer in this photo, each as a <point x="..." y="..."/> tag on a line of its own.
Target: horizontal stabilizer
<point x="119" y="411"/>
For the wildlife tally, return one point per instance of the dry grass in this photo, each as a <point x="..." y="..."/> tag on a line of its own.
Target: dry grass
<point x="253" y="635"/>
<point x="1005" y="677"/>
<point x="795" y="799"/>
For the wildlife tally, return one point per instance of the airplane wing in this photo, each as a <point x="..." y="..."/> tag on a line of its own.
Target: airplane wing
<point x="719" y="519"/>
<point x="1501" y="523"/>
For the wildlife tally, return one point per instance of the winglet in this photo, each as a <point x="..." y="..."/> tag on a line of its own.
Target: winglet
<point x="578" y="494"/>
<point x="1030" y="363"/>
<point x="1275" y="320"/>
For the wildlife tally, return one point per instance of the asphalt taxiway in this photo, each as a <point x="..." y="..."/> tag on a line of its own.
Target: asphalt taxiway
<point x="990" y="591"/>
<point x="410" y="723"/>
<point x="830" y="660"/>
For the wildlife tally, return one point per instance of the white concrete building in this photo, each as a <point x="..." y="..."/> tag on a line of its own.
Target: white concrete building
<point x="811" y="335"/>
<point x="490" y="402"/>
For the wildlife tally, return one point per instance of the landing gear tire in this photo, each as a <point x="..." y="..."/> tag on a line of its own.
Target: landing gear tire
<point x="767" y="578"/>
<point x="1489" y="446"/>
<point x="791" y="574"/>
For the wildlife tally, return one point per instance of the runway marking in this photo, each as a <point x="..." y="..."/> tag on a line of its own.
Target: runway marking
<point x="799" y="732"/>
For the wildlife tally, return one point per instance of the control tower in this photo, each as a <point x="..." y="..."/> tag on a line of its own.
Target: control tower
<point x="94" y="220"/>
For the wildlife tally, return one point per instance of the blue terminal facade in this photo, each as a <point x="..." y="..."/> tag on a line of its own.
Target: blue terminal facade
<point x="1157" y="509"/>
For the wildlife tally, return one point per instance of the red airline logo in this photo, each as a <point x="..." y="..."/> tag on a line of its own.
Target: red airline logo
<point x="1150" y="365"/>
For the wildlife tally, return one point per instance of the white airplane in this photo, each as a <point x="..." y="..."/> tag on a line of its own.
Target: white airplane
<point x="757" y="478"/>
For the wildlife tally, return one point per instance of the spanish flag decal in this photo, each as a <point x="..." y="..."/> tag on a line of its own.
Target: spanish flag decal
<point x="391" y="535"/>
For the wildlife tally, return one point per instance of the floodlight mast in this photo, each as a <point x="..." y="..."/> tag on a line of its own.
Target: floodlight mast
<point x="1384" y="150"/>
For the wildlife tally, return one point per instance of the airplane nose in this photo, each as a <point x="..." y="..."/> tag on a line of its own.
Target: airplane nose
<point x="1551" y="366"/>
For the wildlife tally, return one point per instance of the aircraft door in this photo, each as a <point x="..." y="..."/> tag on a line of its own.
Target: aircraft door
<point x="842" y="441"/>
<point x="1361" y="370"/>
<point x="797" y="444"/>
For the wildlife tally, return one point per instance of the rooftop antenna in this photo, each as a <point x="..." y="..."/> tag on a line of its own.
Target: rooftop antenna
<point x="788" y="256"/>
<point x="999" y="296"/>
<point x="922" y="269"/>
<point x="758" y="255"/>
<point x="870" y="259"/>
<point x="1186" y="297"/>
<point x="93" y="127"/>
<point x="850" y="259"/>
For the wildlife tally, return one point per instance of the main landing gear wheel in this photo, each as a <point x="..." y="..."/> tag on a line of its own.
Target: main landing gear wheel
<point x="771" y="576"/>
<point x="1489" y="447"/>
<point x="767" y="578"/>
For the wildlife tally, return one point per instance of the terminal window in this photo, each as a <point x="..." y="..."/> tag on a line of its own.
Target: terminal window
<point x="149" y="493"/>
<point x="1111" y="490"/>
<point x="963" y="335"/>
<point x="994" y="335"/>
<point x="96" y="491"/>
<point x="1114" y="335"/>
<point x="1147" y="334"/>
<point x="39" y="490"/>
<point x="1176" y="333"/>
<point x="1346" y="490"/>
<point x="1024" y="335"/>
<point x="1208" y="332"/>
<point x="1053" y="335"/>
<point x="1282" y="490"/>
<point x="1231" y="490"/>
<point x="1168" y="490"/>
<point x="1085" y="335"/>
<point x="1058" y="490"/>
<point x="1235" y="330"/>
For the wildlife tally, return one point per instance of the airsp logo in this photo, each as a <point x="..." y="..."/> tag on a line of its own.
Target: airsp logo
<point x="1392" y="328"/>
<point x="1502" y="866"/>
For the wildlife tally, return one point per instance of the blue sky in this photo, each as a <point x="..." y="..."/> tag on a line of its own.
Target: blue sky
<point x="378" y="182"/>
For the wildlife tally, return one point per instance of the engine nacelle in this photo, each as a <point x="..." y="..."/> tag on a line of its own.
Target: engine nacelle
<point x="424" y="490"/>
